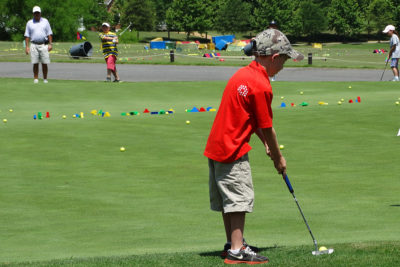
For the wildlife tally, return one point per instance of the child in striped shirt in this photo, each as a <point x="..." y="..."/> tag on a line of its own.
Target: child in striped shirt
<point x="109" y="41"/>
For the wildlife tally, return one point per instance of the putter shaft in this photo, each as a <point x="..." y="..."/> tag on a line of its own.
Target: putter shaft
<point x="289" y="186"/>
<point x="384" y="69"/>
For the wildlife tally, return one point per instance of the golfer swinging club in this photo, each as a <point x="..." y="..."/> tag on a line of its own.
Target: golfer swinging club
<point x="109" y="41"/>
<point x="245" y="109"/>
<point x="38" y="31"/>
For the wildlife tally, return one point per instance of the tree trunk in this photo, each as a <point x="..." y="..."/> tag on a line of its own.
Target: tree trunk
<point x="188" y="35"/>
<point x="137" y="35"/>
<point x="169" y="38"/>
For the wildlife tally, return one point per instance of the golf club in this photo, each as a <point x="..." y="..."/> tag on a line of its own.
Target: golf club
<point x="387" y="61"/>
<point x="130" y="23"/>
<point x="317" y="251"/>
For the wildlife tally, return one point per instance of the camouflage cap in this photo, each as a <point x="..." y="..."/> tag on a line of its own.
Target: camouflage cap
<point x="272" y="41"/>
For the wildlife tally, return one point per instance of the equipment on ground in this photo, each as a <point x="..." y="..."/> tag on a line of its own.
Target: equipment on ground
<point x="317" y="251"/>
<point x="84" y="49"/>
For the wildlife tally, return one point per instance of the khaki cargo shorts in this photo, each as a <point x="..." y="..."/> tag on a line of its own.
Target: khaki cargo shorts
<point x="231" y="186"/>
<point x="40" y="53"/>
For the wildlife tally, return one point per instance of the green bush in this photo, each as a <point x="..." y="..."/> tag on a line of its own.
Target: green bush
<point x="129" y="37"/>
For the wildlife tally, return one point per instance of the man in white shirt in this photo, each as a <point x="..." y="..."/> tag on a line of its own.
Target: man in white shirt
<point x="38" y="32"/>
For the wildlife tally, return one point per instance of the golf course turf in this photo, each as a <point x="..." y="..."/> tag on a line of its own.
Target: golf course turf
<point x="70" y="197"/>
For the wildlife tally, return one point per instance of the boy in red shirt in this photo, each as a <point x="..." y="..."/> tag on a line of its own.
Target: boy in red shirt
<point x="245" y="109"/>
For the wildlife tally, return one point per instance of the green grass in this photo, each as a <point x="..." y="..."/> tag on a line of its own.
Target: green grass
<point x="66" y="191"/>
<point x="331" y="56"/>
<point x="354" y="254"/>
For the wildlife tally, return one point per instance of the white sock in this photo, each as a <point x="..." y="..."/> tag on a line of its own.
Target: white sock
<point x="235" y="251"/>
<point x="396" y="77"/>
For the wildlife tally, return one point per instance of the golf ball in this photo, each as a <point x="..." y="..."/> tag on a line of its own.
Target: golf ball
<point x="282" y="97"/>
<point x="5" y="120"/>
<point x="339" y="103"/>
<point x="187" y="122"/>
<point x="350" y="87"/>
<point x="322" y="248"/>
<point x="301" y="93"/>
<point x="11" y="110"/>
<point x="397" y="102"/>
<point x="281" y="147"/>
<point x="342" y="99"/>
<point x="122" y="149"/>
<point x="64" y="117"/>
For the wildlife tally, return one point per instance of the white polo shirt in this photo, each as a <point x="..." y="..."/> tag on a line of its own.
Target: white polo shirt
<point x="37" y="31"/>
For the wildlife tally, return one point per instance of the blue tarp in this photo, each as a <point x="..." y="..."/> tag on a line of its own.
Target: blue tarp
<point x="221" y="44"/>
<point x="157" y="45"/>
<point x="227" y="38"/>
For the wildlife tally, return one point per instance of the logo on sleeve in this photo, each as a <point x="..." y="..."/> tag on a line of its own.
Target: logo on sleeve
<point x="242" y="90"/>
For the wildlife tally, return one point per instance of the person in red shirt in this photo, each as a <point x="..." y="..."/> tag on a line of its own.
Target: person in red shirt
<point x="245" y="109"/>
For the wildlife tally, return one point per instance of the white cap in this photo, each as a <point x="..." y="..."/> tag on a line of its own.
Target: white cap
<point x="105" y="24"/>
<point x="389" y="28"/>
<point x="36" y="9"/>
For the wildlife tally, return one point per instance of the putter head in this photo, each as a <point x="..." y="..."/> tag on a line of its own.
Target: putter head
<point x="326" y="251"/>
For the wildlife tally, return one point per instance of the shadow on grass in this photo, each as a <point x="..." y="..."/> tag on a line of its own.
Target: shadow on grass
<point x="218" y="253"/>
<point x="395" y="205"/>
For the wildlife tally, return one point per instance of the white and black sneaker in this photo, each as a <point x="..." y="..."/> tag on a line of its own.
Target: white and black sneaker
<point x="245" y="255"/>
<point x="227" y="246"/>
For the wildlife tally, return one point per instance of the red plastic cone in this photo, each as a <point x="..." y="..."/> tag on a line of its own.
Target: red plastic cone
<point x="146" y="111"/>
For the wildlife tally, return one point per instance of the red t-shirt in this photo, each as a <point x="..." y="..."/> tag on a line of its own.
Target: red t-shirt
<point x="245" y="107"/>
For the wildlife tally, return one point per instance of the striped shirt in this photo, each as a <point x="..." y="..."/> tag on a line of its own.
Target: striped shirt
<point x="109" y="48"/>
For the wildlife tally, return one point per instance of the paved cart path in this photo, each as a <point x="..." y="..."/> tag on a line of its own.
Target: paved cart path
<point x="158" y="73"/>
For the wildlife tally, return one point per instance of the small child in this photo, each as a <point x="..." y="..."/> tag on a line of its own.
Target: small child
<point x="394" y="53"/>
<point x="109" y="41"/>
<point x="245" y="109"/>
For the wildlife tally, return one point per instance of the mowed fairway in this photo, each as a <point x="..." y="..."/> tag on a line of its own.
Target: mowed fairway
<point x="66" y="190"/>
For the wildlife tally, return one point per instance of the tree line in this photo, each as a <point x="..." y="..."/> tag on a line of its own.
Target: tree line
<point x="299" y="18"/>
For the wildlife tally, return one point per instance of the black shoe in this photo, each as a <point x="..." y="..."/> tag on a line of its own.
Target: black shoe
<point x="245" y="255"/>
<point x="117" y="81"/>
<point x="227" y="246"/>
